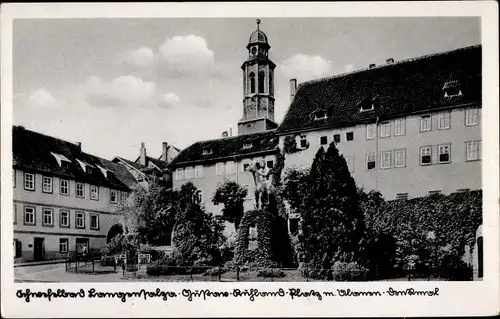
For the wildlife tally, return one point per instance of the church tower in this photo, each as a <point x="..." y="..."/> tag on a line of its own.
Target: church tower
<point x="258" y="86"/>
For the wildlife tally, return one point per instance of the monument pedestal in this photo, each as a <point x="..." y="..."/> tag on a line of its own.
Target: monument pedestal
<point x="253" y="244"/>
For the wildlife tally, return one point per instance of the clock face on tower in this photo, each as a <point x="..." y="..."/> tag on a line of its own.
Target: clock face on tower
<point x="254" y="50"/>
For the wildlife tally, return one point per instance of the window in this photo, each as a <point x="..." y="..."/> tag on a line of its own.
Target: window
<point x="94" y="192"/>
<point x="29" y="181"/>
<point x="207" y="151"/>
<point x="63" y="245"/>
<point x="80" y="189"/>
<point x="444" y="153"/>
<point x="47" y="217"/>
<point x="198" y="171"/>
<point x="252" y="82"/>
<point x="245" y="166"/>
<point x="371" y="130"/>
<point x="385" y="159"/>
<point x="471" y="117"/>
<point x="64" y="187"/>
<point x="219" y="169"/>
<point x="270" y="164"/>
<point x="349" y="136"/>
<point x="229" y="168"/>
<point x="320" y="115"/>
<point x="47" y="184"/>
<point x="399" y="127"/>
<point x="29" y="215"/>
<point x="370" y="161"/>
<point x="399" y="158"/>
<point x="94" y="221"/>
<point x="385" y="129"/>
<point x="425" y="155"/>
<point x="425" y="123"/>
<point x="473" y="150"/>
<point x="14" y="178"/>
<point x="80" y="220"/>
<point x="188" y="172"/>
<point x="123" y="197"/>
<point x="247" y="146"/>
<point x="402" y="196"/>
<point x="64" y="218"/>
<point x="303" y="141"/>
<point x="323" y="140"/>
<point x="262" y="77"/>
<point x="444" y="121"/>
<point x="15" y="214"/>
<point x="336" y="138"/>
<point x="350" y="163"/>
<point x="432" y="193"/>
<point x="113" y="196"/>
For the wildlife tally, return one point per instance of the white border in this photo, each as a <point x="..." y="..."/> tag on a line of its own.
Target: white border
<point x="455" y="299"/>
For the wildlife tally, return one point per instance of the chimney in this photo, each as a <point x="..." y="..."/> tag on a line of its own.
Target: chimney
<point x="225" y="134"/>
<point x="142" y="159"/>
<point x="79" y="145"/>
<point x="230" y="131"/>
<point x="372" y="65"/>
<point x="293" y="88"/>
<point x="389" y="61"/>
<point x="164" y="151"/>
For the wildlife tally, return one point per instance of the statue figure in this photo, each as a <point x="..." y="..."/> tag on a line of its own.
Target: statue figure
<point x="262" y="181"/>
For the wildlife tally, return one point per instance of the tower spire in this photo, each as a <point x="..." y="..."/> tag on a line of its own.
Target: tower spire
<point x="258" y="22"/>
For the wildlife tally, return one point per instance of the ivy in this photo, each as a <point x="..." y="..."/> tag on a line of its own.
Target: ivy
<point x="290" y="144"/>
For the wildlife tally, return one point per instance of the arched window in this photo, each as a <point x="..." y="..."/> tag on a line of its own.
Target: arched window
<point x="252" y="82"/>
<point x="262" y="77"/>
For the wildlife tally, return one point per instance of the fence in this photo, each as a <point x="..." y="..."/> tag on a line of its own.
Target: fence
<point x="103" y="265"/>
<point x="141" y="268"/>
<point x="243" y="274"/>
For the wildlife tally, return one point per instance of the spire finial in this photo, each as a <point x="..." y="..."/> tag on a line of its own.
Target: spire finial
<point x="258" y="22"/>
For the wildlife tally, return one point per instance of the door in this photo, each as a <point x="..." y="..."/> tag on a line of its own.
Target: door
<point x="39" y="249"/>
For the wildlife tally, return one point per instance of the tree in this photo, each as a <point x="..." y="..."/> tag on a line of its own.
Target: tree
<point x="332" y="221"/>
<point x="232" y="196"/>
<point x="198" y="237"/>
<point x="150" y="213"/>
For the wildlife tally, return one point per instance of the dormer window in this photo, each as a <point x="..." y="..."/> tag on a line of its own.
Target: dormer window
<point x="247" y="146"/>
<point x="367" y="105"/>
<point x="61" y="159"/>
<point x="207" y="151"/>
<point x="103" y="171"/>
<point x="86" y="167"/>
<point x="452" y="89"/>
<point x="320" y="115"/>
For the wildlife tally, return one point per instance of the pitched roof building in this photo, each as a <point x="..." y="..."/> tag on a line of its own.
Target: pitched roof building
<point x="412" y="86"/>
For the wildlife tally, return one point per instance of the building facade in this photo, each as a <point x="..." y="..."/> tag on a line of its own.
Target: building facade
<point x="407" y="129"/>
<point x="65" y="200"/>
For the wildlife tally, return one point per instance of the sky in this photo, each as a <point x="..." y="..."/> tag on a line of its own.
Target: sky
<point x="114" y="83"/>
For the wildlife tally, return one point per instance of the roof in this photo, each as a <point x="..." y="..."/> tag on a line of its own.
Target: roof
<point x="135" y="165"/>
<point x="401" y="88"/>
<point x="161" y="164"/>
<point x="228" y="147"/>
<point x="37" y="152"/>
<point x="258" y="37"/>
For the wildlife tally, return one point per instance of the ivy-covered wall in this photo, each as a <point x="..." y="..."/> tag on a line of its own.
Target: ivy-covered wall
<point x="431" y="232"/>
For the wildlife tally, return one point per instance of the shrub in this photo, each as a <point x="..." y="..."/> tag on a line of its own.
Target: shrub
<point x="271" y="273"/>
<point x="214" y="271"/>
<point x="342" y="271"/>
